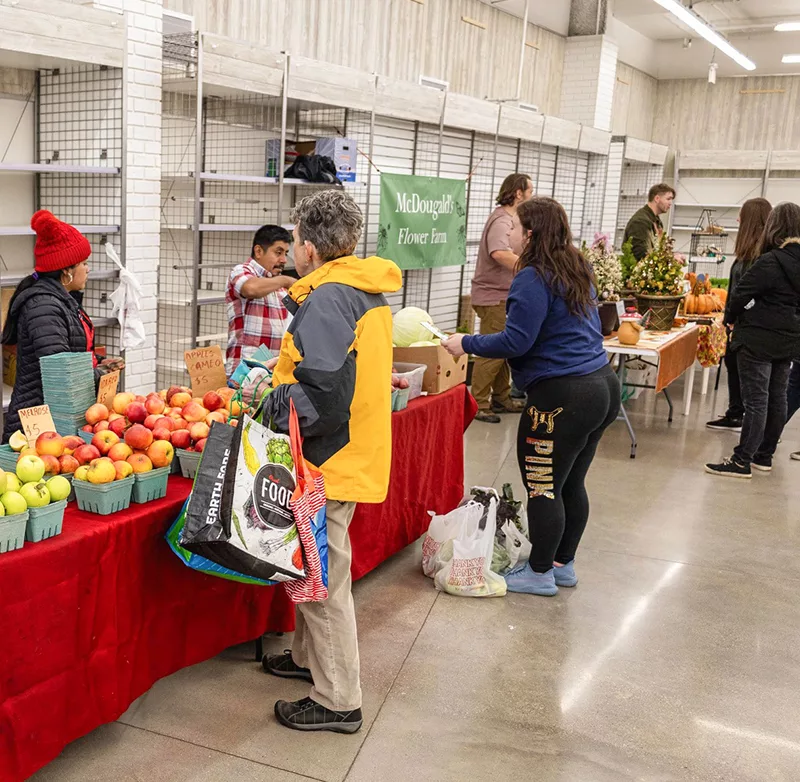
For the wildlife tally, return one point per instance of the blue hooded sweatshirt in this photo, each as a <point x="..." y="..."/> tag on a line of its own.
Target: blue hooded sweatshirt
<point x="542" y="339"/>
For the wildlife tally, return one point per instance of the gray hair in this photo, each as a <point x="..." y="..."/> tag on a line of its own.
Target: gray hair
<point x="331" y="221"/>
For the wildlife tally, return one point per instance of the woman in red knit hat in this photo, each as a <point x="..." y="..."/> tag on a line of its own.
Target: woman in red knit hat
<point x="45" y="314"/>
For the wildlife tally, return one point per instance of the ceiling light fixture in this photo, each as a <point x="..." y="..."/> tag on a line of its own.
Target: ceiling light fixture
<point x="790" y="58"/>
<point x="702" y="28"/>
<point x="787" y="27"/>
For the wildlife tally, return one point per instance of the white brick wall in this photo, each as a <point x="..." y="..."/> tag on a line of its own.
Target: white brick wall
<point x="589" y="78"/>
<point x="143" y="186"/>
<point x="613" y="186"/>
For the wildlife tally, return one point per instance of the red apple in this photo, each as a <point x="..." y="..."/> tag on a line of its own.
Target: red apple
<point x="87" y="428"/>
<point x="118" y="426"/>
<point x="181" y="399"/>
<point x="105" y="441"/>
<point x="68" y="463"/>
<point x="213" y="401"/>
<point x="86" y="453"/>
<point x="140" y="398"/>
<point x="160" y="453"/>
<point x="120" y="452"/>
<point x="181" y="439"/>
<point x="194" y="412"/>
<point x="95" y="413"/>
<point x="199" y="430"/>
<point x="200" y="444"/>
<point x="138" y="437"/>
<point x="50" y="443"/>
<point x="140" y="462"/>
<point x="122" y="469"/>
<point x="71" y="443"/>
<point x="162" y="433"/>
<point x="51" y="464"/>
<point x="151" y="421"/>
<point x="154" y="404"/>
<point x="171" y="391"/>
<point x="136" y="412"/>
<point x="121" y="401"/>
<point x="165" y="422"/>
<point x="101" y="426"/>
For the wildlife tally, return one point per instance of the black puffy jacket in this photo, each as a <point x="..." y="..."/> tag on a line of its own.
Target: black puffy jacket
<point x="765" y="305"/>
<point x="47" y="322"/>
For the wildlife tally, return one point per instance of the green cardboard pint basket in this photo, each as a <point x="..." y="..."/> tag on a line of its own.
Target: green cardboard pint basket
<point x="151" y="485"/>
<point x="104" y="498"/>
<point x="189" y="461"/>
<point x="12" y="531"/>
<point x="86" y="436"/>
<point x="8" y="458"/>
<point x="45" y="522"/>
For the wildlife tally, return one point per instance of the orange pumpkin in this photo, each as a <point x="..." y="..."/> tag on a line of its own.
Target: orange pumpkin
<point x="721" y="294"/>
<point x="690" y="304"/>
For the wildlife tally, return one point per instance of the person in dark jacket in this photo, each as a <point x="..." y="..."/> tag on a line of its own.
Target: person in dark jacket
<point x="44" y="317"/>
<point x="554" y="344"/>
<point x="765" y="312"/>
<point x="645" y="226"/>
<point x="752" y="219"/>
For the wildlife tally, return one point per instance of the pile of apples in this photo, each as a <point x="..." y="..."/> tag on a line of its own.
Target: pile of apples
<point x="26" y="488"/>
<point x="147" y="425"/>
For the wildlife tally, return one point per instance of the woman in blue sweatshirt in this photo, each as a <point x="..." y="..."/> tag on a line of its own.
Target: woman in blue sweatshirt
<point x="554" y="344"/>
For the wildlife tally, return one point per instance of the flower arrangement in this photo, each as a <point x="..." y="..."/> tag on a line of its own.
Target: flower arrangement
<point x="606" y="266"/>
<point x="659" y="273"/>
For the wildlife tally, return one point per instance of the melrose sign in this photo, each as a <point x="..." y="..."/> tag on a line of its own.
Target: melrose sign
<point x="423" y="221"/>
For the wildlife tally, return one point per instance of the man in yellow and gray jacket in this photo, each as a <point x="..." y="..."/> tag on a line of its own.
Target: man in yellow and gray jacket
<point x="335" y="364"/>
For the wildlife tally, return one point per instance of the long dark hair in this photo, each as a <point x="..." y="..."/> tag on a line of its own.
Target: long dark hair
<point x="783" y="223"/>
<point x="10" y="328"/>
<point x="508" y="190"/>
<point x="551" y="252"/>
<point x="752" y="219"/>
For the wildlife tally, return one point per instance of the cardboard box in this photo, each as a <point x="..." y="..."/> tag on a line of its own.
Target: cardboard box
<point x="343" y="152"/>
<point x="443" y="371"/>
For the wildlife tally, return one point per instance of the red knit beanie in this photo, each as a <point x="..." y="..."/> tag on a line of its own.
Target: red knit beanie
<point x="58" y="245"/>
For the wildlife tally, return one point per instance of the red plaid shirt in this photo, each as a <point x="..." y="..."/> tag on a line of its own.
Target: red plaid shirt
<point x="252" y="322"/>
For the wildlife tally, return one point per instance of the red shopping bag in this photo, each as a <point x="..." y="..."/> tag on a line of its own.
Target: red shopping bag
<point x="308" y="506"/>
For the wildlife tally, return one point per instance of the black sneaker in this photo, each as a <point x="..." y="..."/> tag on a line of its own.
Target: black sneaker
<point x="730" y="468"/>
<point x="283" y="665"/>
<point x="762" y="464"/>
<point x="487" y="417"/>
<point x="725" y="423"/>
<point x="310" y="715"/>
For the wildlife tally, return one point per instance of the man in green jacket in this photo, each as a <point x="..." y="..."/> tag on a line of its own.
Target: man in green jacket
<point x="645" y="226"/>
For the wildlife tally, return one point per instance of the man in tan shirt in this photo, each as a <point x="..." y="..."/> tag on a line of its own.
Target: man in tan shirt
<point x="499" y="250"/>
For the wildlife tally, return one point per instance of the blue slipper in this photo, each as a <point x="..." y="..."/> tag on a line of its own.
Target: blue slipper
<point x="523" y="579"/>
<point x="565" y="575"/>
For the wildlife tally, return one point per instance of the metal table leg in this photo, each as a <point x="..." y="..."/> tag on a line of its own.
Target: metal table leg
<point x="669" y="402"/>
<point x="623" y="413"/>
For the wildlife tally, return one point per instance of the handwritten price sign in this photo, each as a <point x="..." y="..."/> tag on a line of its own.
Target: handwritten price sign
<point x="35" y="421"/>
<point x="206" y="369"/>
<point x="108" y="388"/>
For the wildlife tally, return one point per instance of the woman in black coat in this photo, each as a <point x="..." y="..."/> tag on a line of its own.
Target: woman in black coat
<point x="765" y="311"/>
<point x="44" y="315"/>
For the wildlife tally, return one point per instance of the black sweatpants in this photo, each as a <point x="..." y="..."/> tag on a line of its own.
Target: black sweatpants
<point x="562" y="423"/>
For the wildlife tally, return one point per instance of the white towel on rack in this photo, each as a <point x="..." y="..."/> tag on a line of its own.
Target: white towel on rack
<point x="127" y="300"/>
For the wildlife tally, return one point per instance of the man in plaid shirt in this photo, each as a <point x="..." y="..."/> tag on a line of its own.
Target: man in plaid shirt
<point x="254" y="296"/>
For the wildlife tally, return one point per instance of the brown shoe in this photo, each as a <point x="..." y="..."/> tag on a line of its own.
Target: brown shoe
<point x="487" y="417"/>
<point x="513" y="406"/>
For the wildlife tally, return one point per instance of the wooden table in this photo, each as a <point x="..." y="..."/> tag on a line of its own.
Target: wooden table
<point x="674" y="353"/>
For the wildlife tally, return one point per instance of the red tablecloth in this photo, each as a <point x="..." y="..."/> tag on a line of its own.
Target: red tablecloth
<point x="93" y="618"/>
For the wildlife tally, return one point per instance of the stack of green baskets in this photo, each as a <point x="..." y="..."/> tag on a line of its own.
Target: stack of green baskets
<point x="189" y="461"/>
<point x="8" y="458"/>
<point x="68" y="385"/>
<point x="104" y="498"/>
<point x="150" y="485"/>
<point x="45" y="522"/>
<point x="12" y="531"/>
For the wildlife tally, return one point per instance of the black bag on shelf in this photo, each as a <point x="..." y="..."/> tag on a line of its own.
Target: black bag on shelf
<point x="313" y="168"/>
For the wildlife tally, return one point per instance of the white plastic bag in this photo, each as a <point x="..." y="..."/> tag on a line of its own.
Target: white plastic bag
<point x="468" y="572"/>
<point x="126" y="300"/>
<point x="516" y="544"/>
<point x="437" y="546"/>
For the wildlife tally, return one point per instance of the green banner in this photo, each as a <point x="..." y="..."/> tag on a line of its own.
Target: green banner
<point x="423" y="221"/>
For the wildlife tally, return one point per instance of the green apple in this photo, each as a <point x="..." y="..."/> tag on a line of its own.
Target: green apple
<point x="12" y="483"/>
<point x="36" y="494"/>
<point x="2" y="509"/>
<point x="30" y="469"/>
<point x="59" y="488"/>
<point x="13" y="502"/>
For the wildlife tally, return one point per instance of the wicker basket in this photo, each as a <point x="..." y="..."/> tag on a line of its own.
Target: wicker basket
<point x="663" y="309"/>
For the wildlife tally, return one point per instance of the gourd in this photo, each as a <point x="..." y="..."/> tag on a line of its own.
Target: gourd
<point x="722" y="296"/>
<point x="700" y="301"/>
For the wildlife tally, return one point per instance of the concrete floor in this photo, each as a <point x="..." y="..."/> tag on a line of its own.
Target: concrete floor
<point x="676" y="658"/>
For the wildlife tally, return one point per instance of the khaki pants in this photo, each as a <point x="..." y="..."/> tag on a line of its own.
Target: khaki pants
<point x="325" y="639"/>
<point x="491" y="378"/>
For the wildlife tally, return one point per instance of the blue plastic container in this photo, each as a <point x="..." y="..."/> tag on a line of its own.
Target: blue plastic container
<point x="45" y="522"/>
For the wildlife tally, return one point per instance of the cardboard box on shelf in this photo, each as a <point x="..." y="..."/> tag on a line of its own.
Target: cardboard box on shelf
<point x="343" y="153"/>
<point x="443" y="371"/>
<point x="293" y="150"/>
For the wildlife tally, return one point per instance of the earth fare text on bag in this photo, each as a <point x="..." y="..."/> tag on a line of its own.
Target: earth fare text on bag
<point x="423" y="221"/>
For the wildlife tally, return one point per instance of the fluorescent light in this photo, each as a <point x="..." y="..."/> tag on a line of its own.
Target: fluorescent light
<point x="790" y="58"/>
<point x="787" y="27"/>
<point x="702" y="28"/>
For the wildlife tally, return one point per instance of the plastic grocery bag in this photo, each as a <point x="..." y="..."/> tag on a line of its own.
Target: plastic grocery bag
<point x="468" y="573"/>
<point x="126" y="299"/>
<point x="517" y="546"/>
<point x="438" y="544"/>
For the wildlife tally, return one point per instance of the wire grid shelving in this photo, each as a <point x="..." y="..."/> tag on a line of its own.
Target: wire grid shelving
<point x="76" y="173"/>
